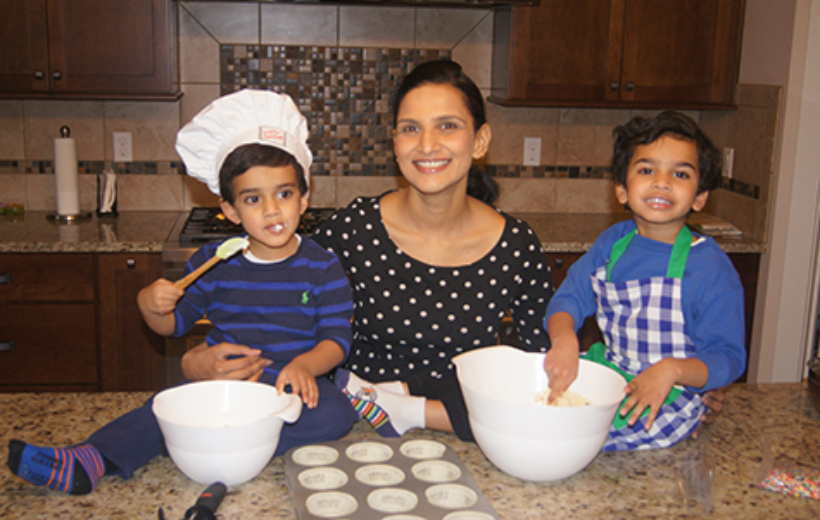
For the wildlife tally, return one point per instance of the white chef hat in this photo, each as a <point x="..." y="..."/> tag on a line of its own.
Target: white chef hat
<point x="233" y="120"/>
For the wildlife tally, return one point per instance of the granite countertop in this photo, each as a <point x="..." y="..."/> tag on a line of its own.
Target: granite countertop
<point x="130" y="232"/>
<point x="615" y="485"/>
<point x="145" y="231"/>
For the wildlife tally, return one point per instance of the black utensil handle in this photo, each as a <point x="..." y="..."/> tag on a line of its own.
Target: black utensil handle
<point x="207" y="503"/>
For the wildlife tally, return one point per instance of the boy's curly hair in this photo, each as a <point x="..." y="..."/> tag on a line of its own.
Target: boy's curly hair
<point x="643" y="130"/>
<point x="245" y="157"/>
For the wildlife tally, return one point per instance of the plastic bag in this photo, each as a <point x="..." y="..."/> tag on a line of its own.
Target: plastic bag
<point x="786" y="476"/>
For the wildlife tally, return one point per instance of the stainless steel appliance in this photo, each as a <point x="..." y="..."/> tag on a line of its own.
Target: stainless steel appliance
<point x="190" y="232"/>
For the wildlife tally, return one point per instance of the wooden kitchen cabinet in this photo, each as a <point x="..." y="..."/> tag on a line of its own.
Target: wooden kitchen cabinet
<point x="48" y="327"/>
<point x="618" y="53"/>
<point x="95" y="49"/>
<point x="132" y="356"/>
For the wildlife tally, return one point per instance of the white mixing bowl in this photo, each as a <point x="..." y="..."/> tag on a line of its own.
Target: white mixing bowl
<point x="529" y="440"/>
<point x="223" y="431"/>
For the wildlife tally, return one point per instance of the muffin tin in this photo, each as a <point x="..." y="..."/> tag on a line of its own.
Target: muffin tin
<point x="388" y="479"/>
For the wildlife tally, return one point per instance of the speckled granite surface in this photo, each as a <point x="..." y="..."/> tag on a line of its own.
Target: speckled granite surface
<point x="145" y="231"/>
<point x="130" y="232"/>
<point x="614" y="485"/>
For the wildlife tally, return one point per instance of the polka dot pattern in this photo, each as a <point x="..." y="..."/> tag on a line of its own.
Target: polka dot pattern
<point x="412" y="318"/>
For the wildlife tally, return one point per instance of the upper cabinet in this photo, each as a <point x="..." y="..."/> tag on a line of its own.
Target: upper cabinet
<point x="618" y="53"/>
<point x="88" y="49"/>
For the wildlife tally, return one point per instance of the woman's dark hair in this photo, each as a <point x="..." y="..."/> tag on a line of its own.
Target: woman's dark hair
<point x="643" y="130"/>
<point x="245" y="157"/>
<point x="445" y="72"/>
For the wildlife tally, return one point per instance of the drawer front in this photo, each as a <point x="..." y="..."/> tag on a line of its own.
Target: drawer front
<point x="46" y="277"/>
<point x="44" y="344"/>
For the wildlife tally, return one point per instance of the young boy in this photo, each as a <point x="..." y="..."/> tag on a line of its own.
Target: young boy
<point x="669" y="304"/>
<point x="284" y="297"/>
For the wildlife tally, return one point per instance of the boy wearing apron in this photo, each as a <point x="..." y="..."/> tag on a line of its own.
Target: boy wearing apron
<point x="669" y="303"/>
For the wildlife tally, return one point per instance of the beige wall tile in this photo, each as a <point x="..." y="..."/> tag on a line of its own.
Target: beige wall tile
<point x="153" y="127"/>
<point x="197" y="194"/>
<point x="526" y="195"/>
<point x="445" y="28"/>
<point x="323" y="191"/>
<point x="150" y="192"/>
<point x="716" y="125"/>
<point x="43" y="122"/>
<point x="511" y="125"/>
<point x="12" y="143"/>
<point x="585" y="196"/>
<point x="198" y="53"/>
<point x="348" y="188"/>
<point x="475" y="53"/>
<point x="14" y="189"/>
<point x="228" y="22"/>
<point x="585" y="135"/>
<point x="195" y="98"/>
<point x="284" y="24"/>
<point x="365" y="26"/>
<point x="751" y="134"/>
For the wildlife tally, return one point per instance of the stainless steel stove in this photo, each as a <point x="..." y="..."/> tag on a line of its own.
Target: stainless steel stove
<point x="191" y="231"/>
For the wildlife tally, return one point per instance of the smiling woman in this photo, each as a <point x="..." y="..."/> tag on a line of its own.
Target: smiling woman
<point x="434" y="266"/>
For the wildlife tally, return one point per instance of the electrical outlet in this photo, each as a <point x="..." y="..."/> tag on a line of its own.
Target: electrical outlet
<point x="532" y="151"/>
<point x="122" y="147"/>
<point x="728" y="162"/>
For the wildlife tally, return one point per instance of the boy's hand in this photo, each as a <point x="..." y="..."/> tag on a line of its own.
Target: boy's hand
<point x="160" y="297"/>
<point x="649" y="389"/>
<point x="301" y="381"/>
<point x="714" y="401"/>
<point x="561" y="366"/>
<point x="202" y="363"/>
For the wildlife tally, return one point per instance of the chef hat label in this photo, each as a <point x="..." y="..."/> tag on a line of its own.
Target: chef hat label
<point x="274" y="136"/>
<point x="237" y="119"/>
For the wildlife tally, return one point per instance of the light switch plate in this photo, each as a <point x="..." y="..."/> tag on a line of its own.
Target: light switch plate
<point x="532" y="151"/>
<point x="122" y="147"/>
<point x="728" y="162"/>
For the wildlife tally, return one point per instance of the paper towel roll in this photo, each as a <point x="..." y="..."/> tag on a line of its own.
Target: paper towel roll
<point x="65" y="172"/>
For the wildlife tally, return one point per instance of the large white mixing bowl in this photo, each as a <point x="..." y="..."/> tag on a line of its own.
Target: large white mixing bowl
<point x="529" y="440"/>
<point x="223" y="431"/>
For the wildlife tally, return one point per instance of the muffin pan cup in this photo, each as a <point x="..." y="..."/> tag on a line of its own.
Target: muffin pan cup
<point x="386" y="479"/>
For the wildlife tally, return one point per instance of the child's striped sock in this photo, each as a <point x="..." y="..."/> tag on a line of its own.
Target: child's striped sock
<point x="391" y="414"/>
<point x="57" y="468"/>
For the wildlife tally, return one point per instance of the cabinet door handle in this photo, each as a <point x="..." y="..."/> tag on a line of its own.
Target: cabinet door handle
<point x="39" y="74"/>
<point x="614" y="85"/>
<point x="130" y="263"/>
<point x="57" y="75"/>
<point x="630" y="86"/>
<point x="559" y="263"/>
<point x="5" y="278"/>
<point x="6" y="346"/>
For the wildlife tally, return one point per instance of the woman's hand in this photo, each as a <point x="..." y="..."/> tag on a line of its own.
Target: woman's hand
<point x="301" y="381"/>
<point x="202" y="363"/>
<point x="714" y="401"/>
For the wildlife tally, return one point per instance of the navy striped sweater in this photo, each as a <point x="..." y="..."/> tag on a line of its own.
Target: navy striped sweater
<point x="284" y="308"/>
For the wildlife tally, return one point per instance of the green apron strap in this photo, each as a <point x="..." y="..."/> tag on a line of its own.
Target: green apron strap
<point x="617" y="250"/>
<point x="680" y="253"/>
<point x="677" y="260"/>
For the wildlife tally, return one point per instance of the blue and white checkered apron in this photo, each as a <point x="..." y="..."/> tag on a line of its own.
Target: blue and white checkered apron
<point x="642" y="323"/>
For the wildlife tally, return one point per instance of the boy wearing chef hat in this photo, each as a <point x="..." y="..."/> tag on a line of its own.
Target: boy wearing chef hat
<point x="284" y="298"/>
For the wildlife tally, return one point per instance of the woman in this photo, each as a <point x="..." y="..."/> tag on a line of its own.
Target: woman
<point x="434" y="267"/>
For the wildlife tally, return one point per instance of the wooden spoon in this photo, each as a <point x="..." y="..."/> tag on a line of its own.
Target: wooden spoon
<point x="226" y="250"/>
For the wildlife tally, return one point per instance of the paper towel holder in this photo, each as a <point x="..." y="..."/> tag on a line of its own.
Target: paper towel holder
<point x="74" y="217"/>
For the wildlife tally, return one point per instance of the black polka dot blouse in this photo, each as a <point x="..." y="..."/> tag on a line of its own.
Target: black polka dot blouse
<point x="412" y="318"/>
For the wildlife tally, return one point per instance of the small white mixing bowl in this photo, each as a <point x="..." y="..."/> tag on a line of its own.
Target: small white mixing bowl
<point x="223" y="431"/>
<point x="530" y="440"/>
